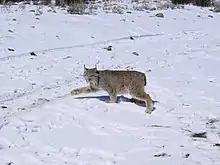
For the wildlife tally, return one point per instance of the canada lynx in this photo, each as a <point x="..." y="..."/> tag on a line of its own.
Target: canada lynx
<point x="116" y="82"/>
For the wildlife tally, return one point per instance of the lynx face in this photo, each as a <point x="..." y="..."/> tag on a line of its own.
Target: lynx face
<point x="91" y="76"/>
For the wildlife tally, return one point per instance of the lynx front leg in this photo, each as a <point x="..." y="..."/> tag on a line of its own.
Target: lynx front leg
<point x="112" y="95"/>
<point x="86" y="89"/>
<point x="113" y="98"/>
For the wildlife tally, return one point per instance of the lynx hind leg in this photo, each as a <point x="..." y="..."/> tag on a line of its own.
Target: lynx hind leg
<point x="142" y="95"/>
<point x="86" y="89"/>
<point x="150" y="106"/>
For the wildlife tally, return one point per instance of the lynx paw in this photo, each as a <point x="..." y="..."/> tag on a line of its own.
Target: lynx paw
<point x="75" y="92"/>
<point x="112" y="100"/>
<point x="148" y="111"/>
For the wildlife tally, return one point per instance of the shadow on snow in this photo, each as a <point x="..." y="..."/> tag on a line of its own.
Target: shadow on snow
<point x="119" y="99"/>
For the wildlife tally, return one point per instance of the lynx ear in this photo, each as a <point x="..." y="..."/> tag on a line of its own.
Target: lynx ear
<point x="97" y="64"/>
<point x="85" y="67"/>
<point x="96" y="70"/>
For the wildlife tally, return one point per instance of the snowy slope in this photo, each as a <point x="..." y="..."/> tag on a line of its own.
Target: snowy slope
<point x="41" y="124"/>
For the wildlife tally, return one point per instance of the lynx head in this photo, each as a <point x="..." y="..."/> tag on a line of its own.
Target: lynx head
<point x="91" y="76"/>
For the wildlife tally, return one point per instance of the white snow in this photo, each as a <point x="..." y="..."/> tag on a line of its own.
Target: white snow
<point x="42" y="124"/>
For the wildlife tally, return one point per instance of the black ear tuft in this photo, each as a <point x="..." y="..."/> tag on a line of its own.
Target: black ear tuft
<point x="85" y="67"/>
<point x="96" y="66"/>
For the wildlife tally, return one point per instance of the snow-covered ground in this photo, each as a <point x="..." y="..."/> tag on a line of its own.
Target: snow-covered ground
<point x="41" y="124"/>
